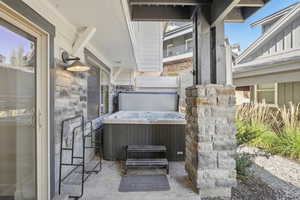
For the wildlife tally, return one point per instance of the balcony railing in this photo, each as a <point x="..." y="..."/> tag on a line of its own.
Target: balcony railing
<point x="177" y="50"/>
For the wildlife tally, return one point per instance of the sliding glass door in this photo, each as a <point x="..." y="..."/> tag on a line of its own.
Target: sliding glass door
<point x="18" y="92"/>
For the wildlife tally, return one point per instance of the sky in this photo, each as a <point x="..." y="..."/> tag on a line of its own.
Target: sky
<point x="243" y="34"/>
<point x="10" y="41"/>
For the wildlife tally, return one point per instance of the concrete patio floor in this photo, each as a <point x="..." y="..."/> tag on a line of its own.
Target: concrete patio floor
<point x="105" y="185"/>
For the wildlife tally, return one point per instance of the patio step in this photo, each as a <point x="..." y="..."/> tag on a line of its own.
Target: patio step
<point x="155" y="162"/>
<point x="146" y="148"/>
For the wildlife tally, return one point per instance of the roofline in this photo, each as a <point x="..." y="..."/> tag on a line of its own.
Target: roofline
<point x="178" y="34"/>
<point x="273" y="29"/>
<point x="280" y="59"/>
<point x="274" y="15"/>
<point x="181" y="28"/>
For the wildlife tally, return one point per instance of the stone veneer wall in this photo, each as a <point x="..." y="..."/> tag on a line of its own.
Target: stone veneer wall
<point x="210" y="139"/>
<point x="178" y="67"/>
<point x="70" y="100"/>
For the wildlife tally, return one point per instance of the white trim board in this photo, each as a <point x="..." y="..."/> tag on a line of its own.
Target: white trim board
<point x="273" y="16"/>
<point x="284" y="77"/>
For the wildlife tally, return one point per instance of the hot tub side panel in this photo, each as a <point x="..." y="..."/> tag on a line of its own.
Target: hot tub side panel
<point x="118" y="136"/>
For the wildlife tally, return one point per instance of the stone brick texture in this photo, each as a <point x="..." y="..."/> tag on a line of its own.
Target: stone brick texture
<point x="178" y="67"/>
<point x="210" y="139"/>
<point x="70" y="101"/>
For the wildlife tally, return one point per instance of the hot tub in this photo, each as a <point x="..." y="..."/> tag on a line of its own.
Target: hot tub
<point x="144" y="128"/>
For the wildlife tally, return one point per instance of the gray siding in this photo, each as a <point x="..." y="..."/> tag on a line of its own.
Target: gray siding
<point x="288" y="92"/>
<point x="288" y="38"/>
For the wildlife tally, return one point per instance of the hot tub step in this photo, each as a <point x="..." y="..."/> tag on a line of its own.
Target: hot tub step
<point x="160" y="162"/>
<point x="146" y="148"/>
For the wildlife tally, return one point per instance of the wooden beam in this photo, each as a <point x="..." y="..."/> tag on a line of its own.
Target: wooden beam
<point x="161" y="13"/>
<point x="202" y="47"/>
<point x="239" y="14"/>
<point x="248" y="11"/>
<point x="195" y="50"/>
<point x="117" y="73"/>
<point x="83" y="38"/>
<point x="251" y="3"/>
<point x="220" y="58"/>
<point x="220" y="9"/>
<point x="170" y="2"/>
<point x="235" y="16"/>
<point x="182" y="10"/>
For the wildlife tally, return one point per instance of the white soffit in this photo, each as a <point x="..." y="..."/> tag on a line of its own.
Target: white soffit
<point x="112" y="38"/>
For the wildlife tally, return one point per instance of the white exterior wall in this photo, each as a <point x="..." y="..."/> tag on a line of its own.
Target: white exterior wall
<point x="148" y="46"/>
<point x="123" y="76"/>
<point x="285" y="39"/>
<point x="156" y="83"/>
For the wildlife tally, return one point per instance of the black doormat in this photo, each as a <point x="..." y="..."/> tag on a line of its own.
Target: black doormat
<point x="145" y="183"/>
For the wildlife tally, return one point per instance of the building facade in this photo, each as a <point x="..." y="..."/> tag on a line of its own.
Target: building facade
<point x="72" y="58"/>
<point x="177" y="48"/>
<point x="270" y="67"/>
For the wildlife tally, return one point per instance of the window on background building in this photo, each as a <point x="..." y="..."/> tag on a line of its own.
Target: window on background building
<point x="266" y="93"/>
<point x="189" y="45"/>
<point x="104" y="84"/>
<point x="170" y="50"/>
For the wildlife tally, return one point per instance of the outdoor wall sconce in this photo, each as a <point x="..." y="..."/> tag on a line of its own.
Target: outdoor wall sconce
<point x="76" y="66"/>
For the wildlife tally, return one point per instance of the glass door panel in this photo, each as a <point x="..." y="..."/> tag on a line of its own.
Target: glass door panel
<point x="104" y="83"/>
<point x="17" y="113"/>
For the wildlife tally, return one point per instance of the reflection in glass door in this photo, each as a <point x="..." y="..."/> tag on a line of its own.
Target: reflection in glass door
<point x="17" y="113"/>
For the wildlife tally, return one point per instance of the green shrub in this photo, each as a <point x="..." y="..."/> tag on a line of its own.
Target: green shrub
<point x="267" y="140"/>
<point x="247" y="132"/>
<point x="244" y="133"/>
<point x="242" y="163"/>
<point x="289" y="144"/>
<point x="276" y="130"/>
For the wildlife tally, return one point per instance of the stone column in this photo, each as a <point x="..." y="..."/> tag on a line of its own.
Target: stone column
<point x="210" y="140"/>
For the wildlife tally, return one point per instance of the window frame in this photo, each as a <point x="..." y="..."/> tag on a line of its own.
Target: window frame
<point x="91" y="59"/>
<point x="186" y="43"/>
<point x="275" y="90"/>
<point x="168" y="49"/>
<point x="42" y="114"/>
